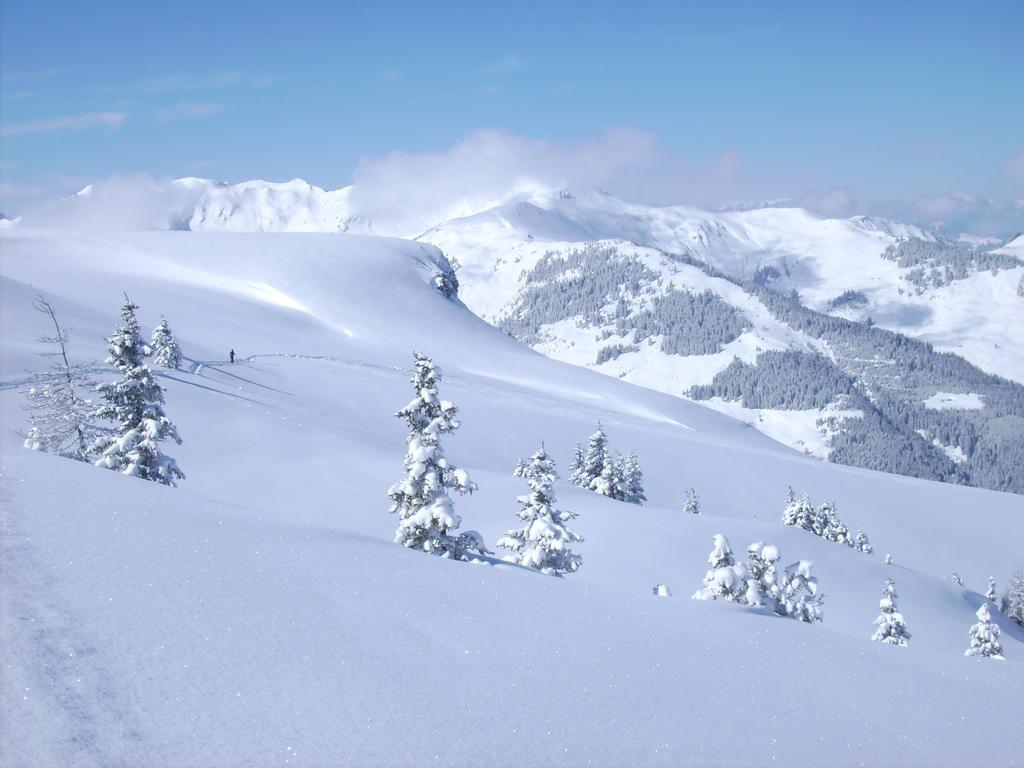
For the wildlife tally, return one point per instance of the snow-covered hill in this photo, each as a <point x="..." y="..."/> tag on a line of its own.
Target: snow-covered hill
<point x="958" y="297"/>
<point x="259" y="613"/>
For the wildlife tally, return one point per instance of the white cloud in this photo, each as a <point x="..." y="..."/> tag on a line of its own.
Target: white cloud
<point x="961" y="212"/>
<point x="110" y="120"/>
<point x="188" y="111"/>
<point x="488" y="166"/>
<point x="137" y="202"/>
<point x="834" y="202"/>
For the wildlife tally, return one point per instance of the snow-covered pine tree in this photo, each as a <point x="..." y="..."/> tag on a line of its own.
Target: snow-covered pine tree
<point x="135" y="403"/>
<point x="890" y="626"/>
<point x="990" y="594"/>
<point x="610" y="482"/>
<point x="762" y="585"/>
<point x="426" y="512"/>
<point x="692" y="504"/>
<point x="798" y="594"/>
<point x="726" y="578"/>
<point x="576" y="466"/>
<point x="597" y="458"/>
<point x="957" y="580"/>
<point x="862" y="543"/>
<point x="888" y="558"/>
<point x="831" y="526"/>
<point x="542" y="543"/>
<point x="633" y="481"/>
<point x="62" y="420"/>
<point x="984" y="636"/>
<point x="164" y="346"/>
<point x="1013" y="599"/>
<point x="800" y="513"/>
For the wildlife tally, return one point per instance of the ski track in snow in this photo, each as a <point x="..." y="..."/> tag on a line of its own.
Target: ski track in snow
<point x="69" y="676"/>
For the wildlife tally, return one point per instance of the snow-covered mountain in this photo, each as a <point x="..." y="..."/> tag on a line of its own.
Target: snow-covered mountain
<point x="260" y="613"/>
<point x="622" y="308"/>
<point x="496" y="238"/>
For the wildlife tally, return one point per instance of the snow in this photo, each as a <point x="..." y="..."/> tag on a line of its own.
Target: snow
<point x="963" y="401"/>
<point x="260" y="613"/>
<point x="806" y="430"/>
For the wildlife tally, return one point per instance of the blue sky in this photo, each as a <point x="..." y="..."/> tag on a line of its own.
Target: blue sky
<point x="907" y="108"/>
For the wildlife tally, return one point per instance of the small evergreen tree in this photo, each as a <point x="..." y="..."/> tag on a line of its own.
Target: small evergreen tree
<point x="542" y="542"/>
<point x="692" y="504"/>
<point x="633" y="481"/>
<point x="798" y="594"/>
<point x="888" y="558"/>
<point x="957" y="580"/>
<point x="990" y="594"/>
<point x="135" y="403"/>
<point x="576" y="466"/>
<point x="1013" y="599"/>
<point x="164" y="346"/>
<point x="984" y="636"/>
<point x="610" y="482"/>
<point x="862" y="543"/>
<point x="726" y="579"/>
<point x="800" y="513"/>
<point x="831" y="526"/>
<point x="762" y="586"/>
<point x="890" y="626"/>
<point x="62" y="420"/>
<point x="596" y="460"/>
<point x="426" y="512"/>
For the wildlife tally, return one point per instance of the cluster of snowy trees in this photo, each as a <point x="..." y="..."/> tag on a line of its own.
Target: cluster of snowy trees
<point x="599" y="286"/>
<point x="823" y="521"/>
<point x="124" y="429"/>
<point x="791" y="591"/>
<point x="427" y="520"/>
<point x="891" y="627"/>
<point x="610" y="474"/>
<point x="687" y="323"/>
<point x="594" y="284"/>
<point x="613" y="351"/>
<point x="785" y="380"/>
<point x="849" y="298"/>
<point x="934" y="264"/>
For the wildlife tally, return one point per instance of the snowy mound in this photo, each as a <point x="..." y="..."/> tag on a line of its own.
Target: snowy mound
<point x="260" y="613"/>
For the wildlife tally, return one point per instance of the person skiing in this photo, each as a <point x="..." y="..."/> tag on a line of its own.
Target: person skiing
<point x="232" y="355"/>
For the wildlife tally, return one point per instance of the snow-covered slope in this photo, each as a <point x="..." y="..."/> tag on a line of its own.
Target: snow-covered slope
<point x="259" y="613"/>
